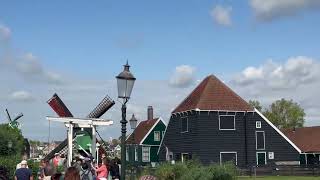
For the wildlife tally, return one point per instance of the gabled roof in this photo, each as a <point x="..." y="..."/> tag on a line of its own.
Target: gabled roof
<point x="141" y="131"/>
<point x="212" y="94"/>
<point x="306" y="138"/>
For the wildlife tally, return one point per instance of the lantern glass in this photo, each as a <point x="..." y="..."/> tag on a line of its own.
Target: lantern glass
<point x="133" y="122"/>
<point x="125" y="82"/>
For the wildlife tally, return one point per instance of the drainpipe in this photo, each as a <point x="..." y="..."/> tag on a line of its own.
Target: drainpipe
<point x="245" y="138"/>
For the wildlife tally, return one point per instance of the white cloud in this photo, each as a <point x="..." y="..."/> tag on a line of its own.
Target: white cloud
<point x="298" y="78"/>
<point x="21" y="96"/>
<point x="221" y="15"/>
<point x="266" y="10"/>
<point x="5" y="32"/>
<point x="184" y="76"/>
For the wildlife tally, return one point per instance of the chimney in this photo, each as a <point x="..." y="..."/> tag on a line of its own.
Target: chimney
<point x="150" y="113"/>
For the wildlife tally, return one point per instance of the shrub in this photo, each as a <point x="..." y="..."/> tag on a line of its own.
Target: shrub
<point x="193" y="170"/>
<point x="10" y="163"/>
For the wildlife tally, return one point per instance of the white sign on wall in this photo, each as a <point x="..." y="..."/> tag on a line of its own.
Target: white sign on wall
<point x="271" y="155"/>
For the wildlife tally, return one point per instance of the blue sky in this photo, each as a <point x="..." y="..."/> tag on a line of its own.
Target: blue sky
<point x="87" y="43"/>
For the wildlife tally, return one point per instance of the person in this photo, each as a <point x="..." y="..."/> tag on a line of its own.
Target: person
<point x="56" y="160"/>
<point x="56" y="176"/>
<point x="114" y="170"/>
<point x="102" y="171"/>
<point x="23" y="173"/>
<point x="46" y="170"/>
<point x="72" y="174"/>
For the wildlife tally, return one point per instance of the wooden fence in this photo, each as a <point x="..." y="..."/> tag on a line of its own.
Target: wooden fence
<point x="282" y="170"/>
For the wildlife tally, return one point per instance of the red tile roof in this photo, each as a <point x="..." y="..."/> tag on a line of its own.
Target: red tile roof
<point x="306" y="138"/>
<point x="141" y="131"/>
<point x="212" y="94"/>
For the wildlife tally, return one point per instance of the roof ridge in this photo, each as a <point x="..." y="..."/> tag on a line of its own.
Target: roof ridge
<point x="234" y="93"/>
<point x="205" y="80"/>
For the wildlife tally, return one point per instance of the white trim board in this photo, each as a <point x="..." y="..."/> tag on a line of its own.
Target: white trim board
<point x="150" y="130"/>
<point x="275" y="128"/>
<point x="229" y="152"/>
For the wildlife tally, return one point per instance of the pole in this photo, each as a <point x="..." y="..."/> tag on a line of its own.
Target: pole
<point x="123" y="137"/>
<point x="70" y="138"/>
<point x="93" y="142"/>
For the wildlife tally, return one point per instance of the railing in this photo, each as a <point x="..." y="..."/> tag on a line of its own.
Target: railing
<point x="283" y="170"/>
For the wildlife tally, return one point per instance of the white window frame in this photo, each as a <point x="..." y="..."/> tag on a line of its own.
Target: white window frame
<point x="183" y="160"/>
<point x="265" y="157"/>
<point x="163" y="133"/>
<point x="127" y="153"/>
<point x="143" y="147"/>
<point x="136" y="153"/>
<point x="185" y="119"/>
<point x="234" y="123"/>
<point x="229" y="152"/>
<point x="264" y="140"/>
<point x="154" y="136"/>
<point x="258" y="124"/>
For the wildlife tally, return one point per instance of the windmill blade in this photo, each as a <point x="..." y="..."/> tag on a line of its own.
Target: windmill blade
<point x="59" y="107"/>
<point x="8" y="115"/>
<point x="101" y="108"/>
<point x="18" y="117"/>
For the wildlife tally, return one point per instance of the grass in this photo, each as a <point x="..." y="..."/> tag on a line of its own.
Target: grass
<point x="280" y="178"/>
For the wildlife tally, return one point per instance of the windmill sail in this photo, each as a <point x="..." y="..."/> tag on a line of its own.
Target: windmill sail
<point x="101" y="108"/>
<point x="59" y="107"/>
<point x="18" y="117"/>
<point x="8" y="115"/>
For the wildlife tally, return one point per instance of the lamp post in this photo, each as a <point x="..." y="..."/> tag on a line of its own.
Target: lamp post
<point x="133" y="124"/>
<point x="125" y="82"/>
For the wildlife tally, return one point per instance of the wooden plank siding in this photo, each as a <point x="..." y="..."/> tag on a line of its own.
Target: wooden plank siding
<point x="205" y="141"/>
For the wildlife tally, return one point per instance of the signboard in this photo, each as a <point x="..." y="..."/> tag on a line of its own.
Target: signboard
<point x="271" y="155"/>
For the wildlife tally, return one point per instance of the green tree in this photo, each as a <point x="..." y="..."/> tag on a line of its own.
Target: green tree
<point x="285" y="114"/>
<point x="11" y="141"/>
<point x="255" y="104"/>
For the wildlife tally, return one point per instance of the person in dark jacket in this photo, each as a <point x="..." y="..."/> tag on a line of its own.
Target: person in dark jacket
<point x="23" y="173"/>
<point x="114" y="170"/>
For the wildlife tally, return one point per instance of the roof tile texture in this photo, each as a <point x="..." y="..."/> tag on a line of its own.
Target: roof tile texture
<point x="212" y="94"/>
<point x="141" y="131"/>
<point x="306" y="138"/>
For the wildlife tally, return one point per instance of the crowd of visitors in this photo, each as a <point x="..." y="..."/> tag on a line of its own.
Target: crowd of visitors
<point x="82" y="169"/>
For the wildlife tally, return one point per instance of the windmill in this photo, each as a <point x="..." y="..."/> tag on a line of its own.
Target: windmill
<point x="14" y="123"/>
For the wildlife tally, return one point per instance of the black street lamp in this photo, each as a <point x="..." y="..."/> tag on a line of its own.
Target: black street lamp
<point x="125" y="82"/>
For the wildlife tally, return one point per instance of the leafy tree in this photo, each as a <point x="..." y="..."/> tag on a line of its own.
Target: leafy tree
<point x="285" y="114"/>
<point x="11" y="141"/>
<point x="255" y="104"/>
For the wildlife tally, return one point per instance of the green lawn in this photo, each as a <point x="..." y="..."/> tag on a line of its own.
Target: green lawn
<point x="280" y="178"/>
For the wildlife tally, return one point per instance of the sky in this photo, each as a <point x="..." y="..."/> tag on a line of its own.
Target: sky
<point x="263" y="50"/>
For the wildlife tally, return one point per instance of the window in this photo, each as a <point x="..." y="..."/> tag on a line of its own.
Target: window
<point x="157" y="136"/>
<point x="163" y="133"/>
<point x="184" y="157"/>
<point x="184" y="125"/>
<point x="258" y="124"/>
<point x="228" y="156"/>
<point x="136" y="153"/>
<point x="260" y="140"/>
<point x="261" y="158"/>
<point x="145" y="154"/>
<point x="127" y="153"/>
<point x="227" y="122"/>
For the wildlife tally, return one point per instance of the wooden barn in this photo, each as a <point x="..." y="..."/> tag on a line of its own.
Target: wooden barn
<point x="214" y="125"/>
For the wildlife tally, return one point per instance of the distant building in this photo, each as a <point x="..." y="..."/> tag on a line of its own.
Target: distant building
<point x="143" y="143"/>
